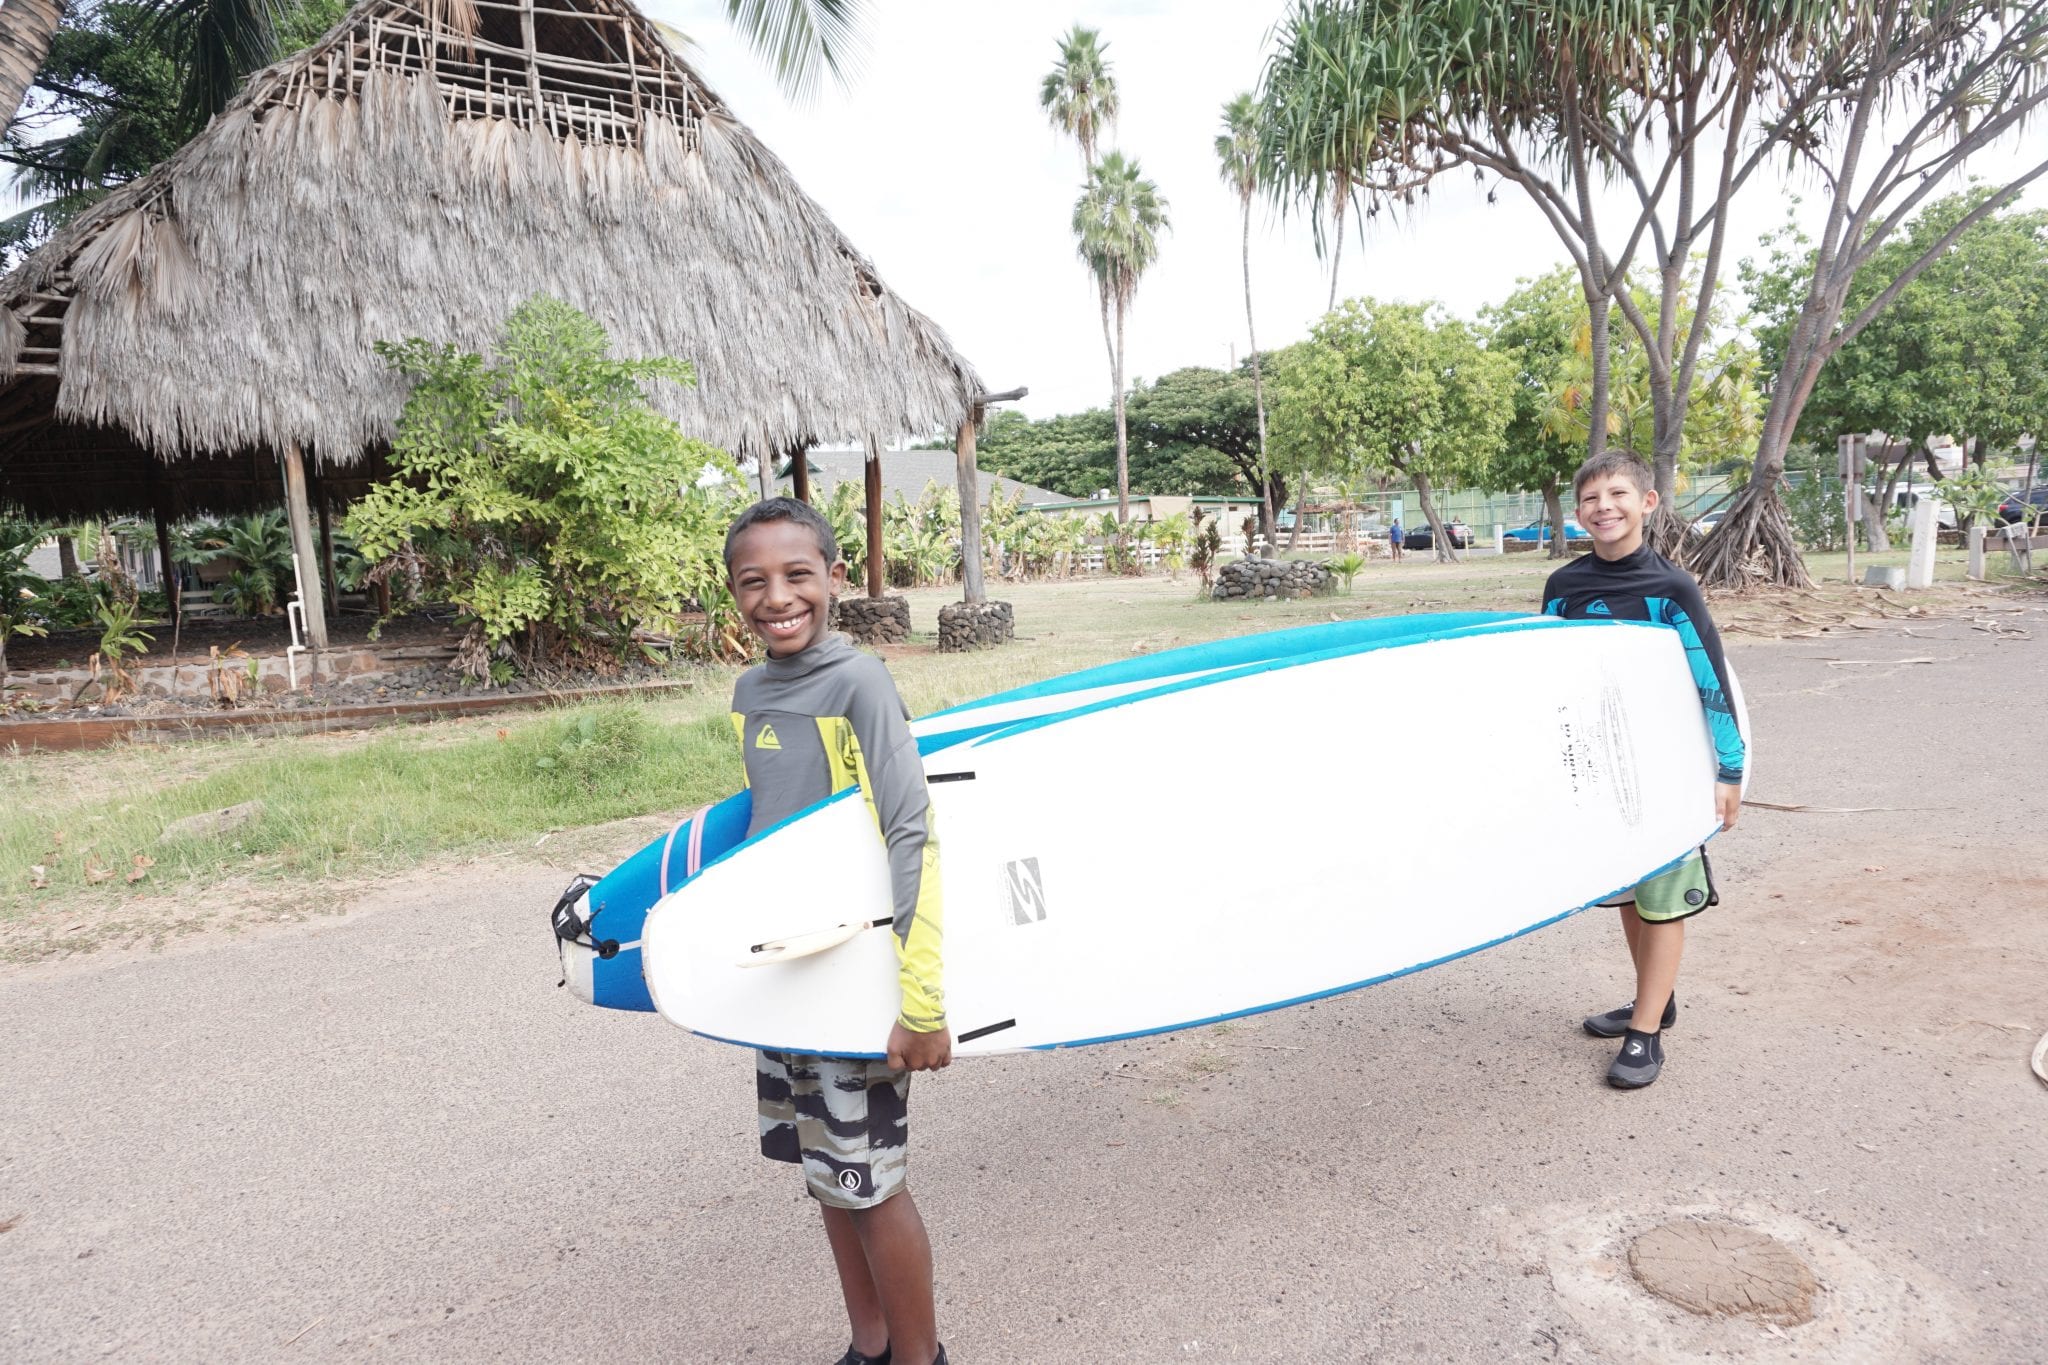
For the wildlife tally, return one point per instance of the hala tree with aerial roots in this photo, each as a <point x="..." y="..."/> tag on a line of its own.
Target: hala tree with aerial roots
<point x="1681" y="107"/>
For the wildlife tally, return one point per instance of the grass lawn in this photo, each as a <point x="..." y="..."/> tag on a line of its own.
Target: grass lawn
<point x="341" y="808"/>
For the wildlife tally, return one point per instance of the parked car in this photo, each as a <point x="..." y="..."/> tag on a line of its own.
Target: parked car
<point x="1539" y="531"/>
<point x="1709" y="521"/>
<point x="2029" y="506"/>
<point x="1420" y="537"/>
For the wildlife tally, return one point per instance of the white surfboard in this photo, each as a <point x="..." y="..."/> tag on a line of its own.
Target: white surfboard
<point x="1106" y="875"/>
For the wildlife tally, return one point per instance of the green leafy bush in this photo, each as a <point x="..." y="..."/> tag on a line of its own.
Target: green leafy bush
<point x="1813" y="499"/>
<point x="541" y="493"/>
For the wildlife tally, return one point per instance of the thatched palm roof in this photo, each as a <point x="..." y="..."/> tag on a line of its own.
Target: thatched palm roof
<point x="420" y="174"/>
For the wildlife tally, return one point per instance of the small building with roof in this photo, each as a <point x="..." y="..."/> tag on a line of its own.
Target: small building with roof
<point x="202" y="339"/>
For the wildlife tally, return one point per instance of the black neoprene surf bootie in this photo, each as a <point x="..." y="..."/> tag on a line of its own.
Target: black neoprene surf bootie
<point x="1637" y="1064"/>
<point x="1614" y="1023"/>
<point x="853" y="1357"/>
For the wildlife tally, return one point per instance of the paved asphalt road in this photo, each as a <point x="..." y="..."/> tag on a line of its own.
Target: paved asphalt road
<point x="387" y="1135"/>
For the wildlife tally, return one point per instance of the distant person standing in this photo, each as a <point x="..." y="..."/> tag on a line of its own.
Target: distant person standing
<point x="1394" y="539"/>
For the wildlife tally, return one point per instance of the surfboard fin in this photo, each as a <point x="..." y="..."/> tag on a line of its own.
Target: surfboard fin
<point x="804" y="945"/>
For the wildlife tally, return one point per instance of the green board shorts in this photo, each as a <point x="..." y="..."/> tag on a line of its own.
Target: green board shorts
<point x="1680" y="893"/>
<point x="845" y="1120"/>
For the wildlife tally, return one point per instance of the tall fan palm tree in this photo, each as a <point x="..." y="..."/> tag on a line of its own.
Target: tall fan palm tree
<point x="1118" y="221"/>
<point x="1079" y="97"/>
<point x="1079" y="94"/>
<point x="1237" y="157"/>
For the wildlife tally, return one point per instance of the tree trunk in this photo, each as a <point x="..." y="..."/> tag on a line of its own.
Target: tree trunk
<point x="1300" y="515"/>
<point x="1875" y="535"/>
<point x="1258" y="382"/>
<point x="1553" y="510"/>
<point x="1276" y="498"/>
<point x="26" y="28"/>
<point x="1670" y="534"/>
<point x="1439" y="538"/>
<point x="67" y="557"/>
<point x="1603" y="373"/>
<point x="1754" y="543"/>
<point x="1123" y="449"/>
<point x="1337" y="254"/>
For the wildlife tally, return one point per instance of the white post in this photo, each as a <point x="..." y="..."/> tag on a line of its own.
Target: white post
<point x="1500" y="539"/>
<point x="1920" y="565"/>
<point x="1977" y="552"/>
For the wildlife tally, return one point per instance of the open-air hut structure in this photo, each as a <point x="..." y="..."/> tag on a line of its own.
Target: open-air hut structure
<point x="202" y="339"/>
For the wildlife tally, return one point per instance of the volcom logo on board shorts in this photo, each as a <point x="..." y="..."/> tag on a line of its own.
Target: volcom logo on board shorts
<point x="850" y="1181"/>
<point x="1024" y="891"/>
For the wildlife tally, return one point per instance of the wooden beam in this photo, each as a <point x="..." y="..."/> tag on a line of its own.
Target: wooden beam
<point x="800" y="472"/>
<point x="166" y="565"/>
<point x="972" y="588"/>
<point x="327" y="551"/>
<point x="874" y="486"/>
<point x="301" y="519"/>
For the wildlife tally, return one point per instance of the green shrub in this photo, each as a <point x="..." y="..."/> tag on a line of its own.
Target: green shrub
<point x="1813" y="499"/>
<point x="541" y="493"/>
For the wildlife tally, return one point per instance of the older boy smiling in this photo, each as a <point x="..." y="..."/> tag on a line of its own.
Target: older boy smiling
<point x="818" y="717"/>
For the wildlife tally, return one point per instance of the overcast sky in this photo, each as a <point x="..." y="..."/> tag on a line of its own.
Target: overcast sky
<point x="940" y="166"/>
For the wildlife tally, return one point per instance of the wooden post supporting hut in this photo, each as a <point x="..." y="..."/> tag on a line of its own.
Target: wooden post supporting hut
<point x="974" y="622"/>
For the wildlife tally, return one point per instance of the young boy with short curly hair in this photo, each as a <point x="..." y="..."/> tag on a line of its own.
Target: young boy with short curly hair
<point x="818" y="717"/>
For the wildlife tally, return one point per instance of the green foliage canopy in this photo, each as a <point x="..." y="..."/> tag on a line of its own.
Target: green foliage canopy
<point x="1394" y="389"/>
<point x="1962" y="351"/>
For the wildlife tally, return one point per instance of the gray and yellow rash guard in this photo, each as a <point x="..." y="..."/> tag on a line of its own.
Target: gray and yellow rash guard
<point x="826" y="719"/>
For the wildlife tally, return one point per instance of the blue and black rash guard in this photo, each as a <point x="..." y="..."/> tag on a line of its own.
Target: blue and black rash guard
<point x="1645" y="586"/>
<point x="829" y="718"/>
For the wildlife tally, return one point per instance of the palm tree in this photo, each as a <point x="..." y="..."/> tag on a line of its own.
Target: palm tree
<point x="26" y="29"/>
<point x="1079" y="97"/>
<point x="801" y="38"/>
<point x="1237" y="156"/>
<point x="1079" y="93"/>
<point x="1117" y="223"/>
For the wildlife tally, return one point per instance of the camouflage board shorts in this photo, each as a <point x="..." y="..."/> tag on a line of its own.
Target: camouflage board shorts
<point x="845" y="1119"/>
<point x="1678" y="893"/>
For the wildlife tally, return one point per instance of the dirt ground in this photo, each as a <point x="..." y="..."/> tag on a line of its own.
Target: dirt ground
<point x="387" y="1135"/>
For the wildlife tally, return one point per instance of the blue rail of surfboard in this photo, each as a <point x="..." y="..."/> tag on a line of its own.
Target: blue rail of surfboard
<point x="619" y="902"/>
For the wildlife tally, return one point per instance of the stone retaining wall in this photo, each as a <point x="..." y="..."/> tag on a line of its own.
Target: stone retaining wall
<point x="1266" y="579"/>
<point x="188" y="676"/>
<point x="975" y="625"/>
